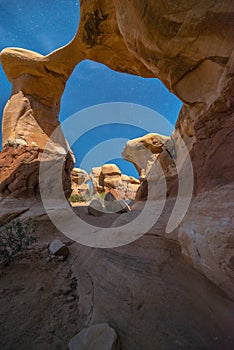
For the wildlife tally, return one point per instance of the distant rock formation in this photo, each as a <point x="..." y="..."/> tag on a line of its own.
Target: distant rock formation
<point x="153" y="156"/>
<point x="143" y="151"/>
<point x="80" y="180"/>
<point x="109" y="177"/>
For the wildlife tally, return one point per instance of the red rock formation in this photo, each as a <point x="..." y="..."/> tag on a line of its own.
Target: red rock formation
<point x="30" y="117"/>
<point x="188" y="45"/>
<point x="80" y="184"/>
<point x="109" y="177"/>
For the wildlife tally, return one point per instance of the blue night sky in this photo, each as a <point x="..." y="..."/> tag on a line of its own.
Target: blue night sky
<point x="43" y="26"/>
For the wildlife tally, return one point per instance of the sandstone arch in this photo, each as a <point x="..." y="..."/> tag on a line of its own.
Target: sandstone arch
<point x="189" y="47"/>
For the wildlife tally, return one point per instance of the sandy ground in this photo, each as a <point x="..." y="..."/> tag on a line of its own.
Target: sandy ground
<point x="44" y="301"/>
<point x="39" y="294"/>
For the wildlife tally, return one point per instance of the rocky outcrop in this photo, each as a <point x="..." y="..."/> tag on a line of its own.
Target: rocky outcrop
<point x="109" y="177"/>
<point x="186" y="45"/>
<point x="95" y="178"/>
<point x="189" y="47"/>
<point x="115" y="205"/>
<point x="19" y="175"/>
<point x="129" y="187"/>
<point x="29" y="120"/>
<point x="80" y="179"/>
<point x="154" y="157"/>
<point x="206" y="236"/>
<point x="96" y="207"/>
<point x="144" y="151"/>
<point x="162" y="301"/>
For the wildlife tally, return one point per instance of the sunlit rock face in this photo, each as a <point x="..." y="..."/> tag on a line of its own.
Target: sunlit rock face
<point x="154" y="158"/>
<point x="80" y="182"/>
<point x="109" y="177"/>
<point x="141" y="150"/>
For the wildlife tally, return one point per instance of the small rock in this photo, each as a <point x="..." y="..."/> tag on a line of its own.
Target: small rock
<point x="115" y="206"/>
<point x="58" y="248"/>
<point x="97" y="337"/>
<point x="70" y="299"/>
<point x="95" y="207"/>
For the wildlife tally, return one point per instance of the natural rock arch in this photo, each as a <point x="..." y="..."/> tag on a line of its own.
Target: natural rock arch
<point x="189" y="47"/>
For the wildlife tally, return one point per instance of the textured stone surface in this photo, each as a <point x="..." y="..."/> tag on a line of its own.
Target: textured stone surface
<point x="141" y="153"/>
<point x="58" y="248"/>
<point x="154" y="158"/>
<point x="145" y="290"/>
<point x="109" y="177"/>
<point x="96" y="180"/>
<point x="30" y="117"/>
<point x="152" y="296"/>
<point x="96" y="337"/>
<point x="188" y="45"/>
<point x="96" y="207"/>
<point x="206" y="236"/>
<point x="115" y="205"/>
<point x="79" y="176"/>
<point x="80" y="179"/>
<point x="19" y="175"/>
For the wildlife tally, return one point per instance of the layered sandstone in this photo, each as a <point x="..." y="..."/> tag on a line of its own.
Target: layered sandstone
<point x="188" y="45"/>
<point x="80" y="182"/>
<point x="109" y="177"/>
<point x="30" y="122"/>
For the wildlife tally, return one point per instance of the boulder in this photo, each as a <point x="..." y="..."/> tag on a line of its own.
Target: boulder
<point x="109" y="177"/>
<point x="95" y="207"/>
<point x="96" y="179"/>
<point x="79" y="176"/>
<point x="114" y="205"/>
<point x="96" y="337"/>
<point x="140" y="150"/>
<point x="110" y="169"/>
<point x="58" y="248"/>
<point x="20" y="167"/>
<point x="80" y="180"/>
<point x="129" y="187"/>
<point x="154" y="158"/>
